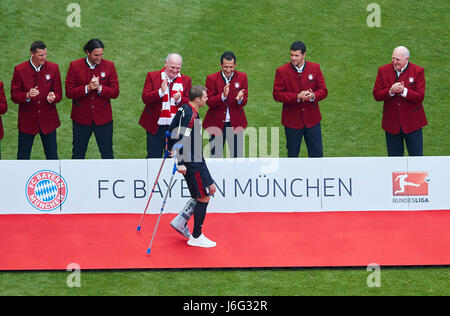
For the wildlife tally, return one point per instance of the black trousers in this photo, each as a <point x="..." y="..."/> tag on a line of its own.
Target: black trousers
<point x="235" y="143"/>
<point x="157" y="143"/>
<point x="414" y="143"/>
<point x="25" y="145"/>
<point x="103" y="136"/>
<point x="313" y="140"/>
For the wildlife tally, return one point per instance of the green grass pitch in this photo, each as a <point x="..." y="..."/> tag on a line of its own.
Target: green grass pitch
<point x="139" y="34"/>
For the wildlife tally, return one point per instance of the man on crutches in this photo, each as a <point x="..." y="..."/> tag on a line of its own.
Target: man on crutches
<point x="186" y="130"/>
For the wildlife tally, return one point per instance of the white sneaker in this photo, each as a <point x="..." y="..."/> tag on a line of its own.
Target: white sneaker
<point x="201" y="241"/>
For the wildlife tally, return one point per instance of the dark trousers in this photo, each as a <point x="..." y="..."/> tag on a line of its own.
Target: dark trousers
<point x="414" y="143"/>
<point x="103" y="136"/>
<point x="25" y="145"/>
<point x="313" y="140"/>
<point x="235" y="143"/>
<point x="157" y="143"/>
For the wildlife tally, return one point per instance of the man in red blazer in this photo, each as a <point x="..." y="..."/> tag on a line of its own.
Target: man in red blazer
<point x="91" y="83"/>
<point x="300" y="85"/>
<point x="401" y="87"/>
<point x="164" y="91"/>
<point x="36" y="87"/>
<point x="3" y="109"/>
<point x="227" y="95"/>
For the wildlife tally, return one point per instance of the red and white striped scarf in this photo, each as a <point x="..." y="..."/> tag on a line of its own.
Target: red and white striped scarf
<point x="169" y="108"/>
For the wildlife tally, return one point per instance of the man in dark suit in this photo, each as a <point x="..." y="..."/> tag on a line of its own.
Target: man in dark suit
<point x="91" y="83"/>
<point x="36" y="87"/>
<point x="3" y="109"/>
<point x="300" y="85"/>
<point x="163" y="92"/>
<point x="401" y="87"/>
<point x="227" y="96"/>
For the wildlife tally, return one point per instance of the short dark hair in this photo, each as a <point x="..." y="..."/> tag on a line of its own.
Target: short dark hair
<point x="196" y="92"/>
<point x="93" y="44"/>
<point x="299" y="46"/>
<point x="228" y="56"/>
<point x="37" y="45"/>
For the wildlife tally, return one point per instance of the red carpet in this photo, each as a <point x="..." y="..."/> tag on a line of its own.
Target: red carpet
<point x="48" y="242"/>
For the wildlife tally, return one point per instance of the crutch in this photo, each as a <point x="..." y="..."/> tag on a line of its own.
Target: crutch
<point x="175" y="168"/>
<point x="166" y="154"/>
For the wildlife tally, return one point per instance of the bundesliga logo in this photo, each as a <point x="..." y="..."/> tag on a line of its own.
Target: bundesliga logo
<point x="410" y="187"/>
<point x="46" y="190"/>
<point x="410" y="183"/>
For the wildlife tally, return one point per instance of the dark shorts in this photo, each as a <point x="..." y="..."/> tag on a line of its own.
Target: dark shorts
<point x="196" y="185"/>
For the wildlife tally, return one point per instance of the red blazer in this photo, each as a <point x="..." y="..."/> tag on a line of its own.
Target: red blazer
<point x="215" y="116"/>
<point x="3" y="107"/>
<point x="288" y="84"/>
<point x="402" y="113"/>
<point x="37" y="114"/>
<point x="153" y="103"/>
<point x="92" y="107"/>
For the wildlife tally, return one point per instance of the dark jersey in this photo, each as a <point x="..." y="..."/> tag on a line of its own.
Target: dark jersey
<point x="186" y="129"/>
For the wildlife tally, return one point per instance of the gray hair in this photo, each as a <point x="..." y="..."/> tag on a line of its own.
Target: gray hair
<point x="174" y="55"/>
<point x="404" y="50"/>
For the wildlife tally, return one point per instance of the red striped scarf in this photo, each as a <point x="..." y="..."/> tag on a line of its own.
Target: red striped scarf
<point x="169" y="108"/>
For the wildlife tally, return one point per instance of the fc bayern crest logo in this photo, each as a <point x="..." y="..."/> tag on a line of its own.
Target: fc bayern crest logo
<point x="46" y="190"/>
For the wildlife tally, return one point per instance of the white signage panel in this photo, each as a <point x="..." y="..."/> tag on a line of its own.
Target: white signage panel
<point x="360" y="184"/>
<point x="243" y="185"/>
<point x="426" y="183"/>
<point x="31" y="187"/>
<point x="266" y="185"/>
<point x="104" y="186"/>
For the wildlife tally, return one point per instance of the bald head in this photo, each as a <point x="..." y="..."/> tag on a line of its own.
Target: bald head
<point x="400" y="57"/>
